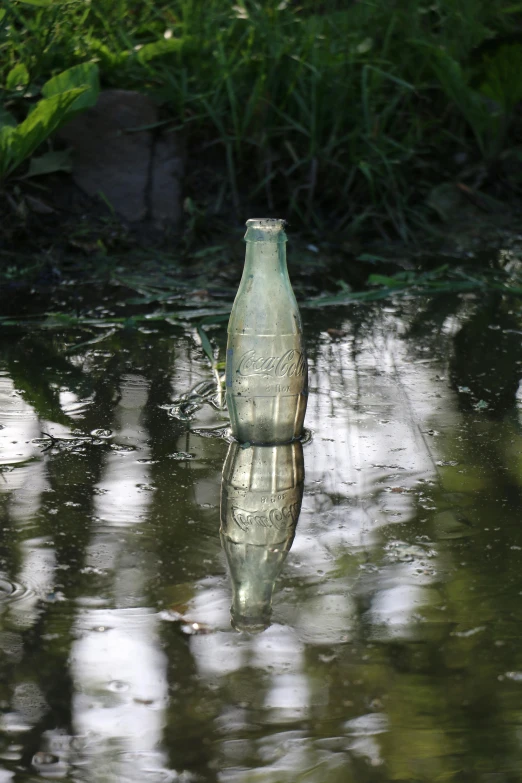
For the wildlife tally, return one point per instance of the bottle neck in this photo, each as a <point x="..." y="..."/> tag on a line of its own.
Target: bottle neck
<point x="265" y="258"/>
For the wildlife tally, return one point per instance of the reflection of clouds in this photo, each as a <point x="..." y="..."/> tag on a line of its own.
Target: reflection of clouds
<point x="118" y="669"/>
<point x="36" y="578"/>
<point x="124" y="492"/>
<point x="280" y="653"/>
<point x="278" y="650"/>
<point x="27" y="483"/>
<point x="326" y="618"/>
<point x="368" y="467"/>
<point x="24" y="480"/>
<point x="282" y="756"/>
<point x="119" y="705"/>
<point x="366" y="417"/>
<point x="371" y="457"/>
<point x="210" y="605"/>
<point x="358" y="574"/>
<point x="393" y="612"/>
<point x="72" y="405"/>
<point x="362" y="733"/>
<point x="287" y="699"/>
<point x="18" y="426"/>
<point x="219" y="653"/>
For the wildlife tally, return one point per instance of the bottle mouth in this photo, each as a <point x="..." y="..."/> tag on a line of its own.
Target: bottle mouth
<point x="265" y="230"/>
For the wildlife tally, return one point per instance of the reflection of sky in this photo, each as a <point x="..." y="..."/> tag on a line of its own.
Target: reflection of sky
<point x="355" y="571"/>
<point x="24" y="481"/>
<point x="371" y="456"/>
<point x="124" y="493"/>
<point x="120" y="694"/>
<point x="118" y="670"/>
<point x="18" y="426"/>
<point x="117" y="667"/>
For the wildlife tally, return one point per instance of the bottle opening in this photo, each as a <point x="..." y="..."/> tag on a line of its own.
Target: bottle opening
<point x="265" y="230"/>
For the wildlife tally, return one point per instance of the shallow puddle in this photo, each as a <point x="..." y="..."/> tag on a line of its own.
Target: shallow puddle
<point x="392" y="651"/>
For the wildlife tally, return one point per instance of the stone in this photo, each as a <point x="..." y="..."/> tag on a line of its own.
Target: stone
<point x="137" y="171"/>
<point x="166" y="171"/>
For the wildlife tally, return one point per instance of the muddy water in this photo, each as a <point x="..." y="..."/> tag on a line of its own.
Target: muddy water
<point x="392" y="650"/>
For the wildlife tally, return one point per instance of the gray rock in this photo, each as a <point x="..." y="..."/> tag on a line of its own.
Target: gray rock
<point x="138" y="172"/>
<point x="165" y="196"/>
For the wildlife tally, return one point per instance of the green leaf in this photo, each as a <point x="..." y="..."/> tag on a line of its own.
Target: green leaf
<point x="58" y="160"/>
<point x="473" y="107"/>
<point x="85" y="75"/>
<point x="108" y="59"/>
<point x="7" y="145"/>
<point x="39" y="3"/>
<point x="512" y="9"/>
<point x="390" y="282"/>
<point x="502" y="83"/>
<point x="159" y="48"/>
<point x="17" y="144"/>
<point x="17" y="78"/>
<point x="370" y="258"/>
<point x="6" y="118"/>
<point x="445" y="199"/>
<point x="216" y="318"/>
<point x="206" y="344"/>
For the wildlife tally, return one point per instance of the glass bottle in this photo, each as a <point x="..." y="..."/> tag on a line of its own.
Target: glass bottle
<point x="266" y="368"/>
<point x="261" y="495"/>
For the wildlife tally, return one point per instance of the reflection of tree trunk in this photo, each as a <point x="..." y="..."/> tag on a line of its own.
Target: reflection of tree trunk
<point x="62" y="519"/>
<point x="191" y="738"/>
<point x="454" y="683"/>
<point x="47" y="659"/>
<point x="38" y="371"/>
<point x="117" y="663"/>
<point x="185" y="553"/>
<point x="440" y="696"/>
<point x="486" y="363"/>
<point x="10" y="554"/>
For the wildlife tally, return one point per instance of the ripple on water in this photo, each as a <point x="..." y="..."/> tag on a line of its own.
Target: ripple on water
<point x="13" y="591"/>
<point x="102" y="620"/>
<point x="118" y="686"/>
<point x="49" y="765"/>
<point x="150" y="768"/>
<point x="404" y="552"/>
<point x="103" y="434"/>
<point x="24" y="602"/>
<point x="73" y="406"/>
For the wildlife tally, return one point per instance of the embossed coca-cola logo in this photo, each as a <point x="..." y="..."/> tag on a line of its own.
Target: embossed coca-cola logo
<point x="290" y="365"/>
<point x="277" y="518"/>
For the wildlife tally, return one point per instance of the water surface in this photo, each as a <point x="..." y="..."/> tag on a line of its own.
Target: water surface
<point x="394" y="650"/>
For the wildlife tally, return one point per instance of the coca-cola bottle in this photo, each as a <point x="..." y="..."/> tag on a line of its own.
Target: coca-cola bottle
<point x="261" y="494"/>
<point x="266" y="368"/>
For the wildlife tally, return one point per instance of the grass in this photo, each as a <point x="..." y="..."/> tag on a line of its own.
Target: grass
<point x="335" y="114"/>
<point x="162" y="296"/>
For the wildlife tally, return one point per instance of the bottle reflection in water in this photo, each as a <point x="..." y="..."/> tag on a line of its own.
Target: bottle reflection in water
<point x="261" y="494"/>
<point x="266" y="368"/>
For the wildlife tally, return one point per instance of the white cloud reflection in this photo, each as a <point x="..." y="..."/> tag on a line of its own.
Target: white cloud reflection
<point x="118" y="669"/>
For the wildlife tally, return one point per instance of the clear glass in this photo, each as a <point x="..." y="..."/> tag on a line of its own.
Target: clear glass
<point x="267" y="372"/>
<point x="261" y="495"/>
